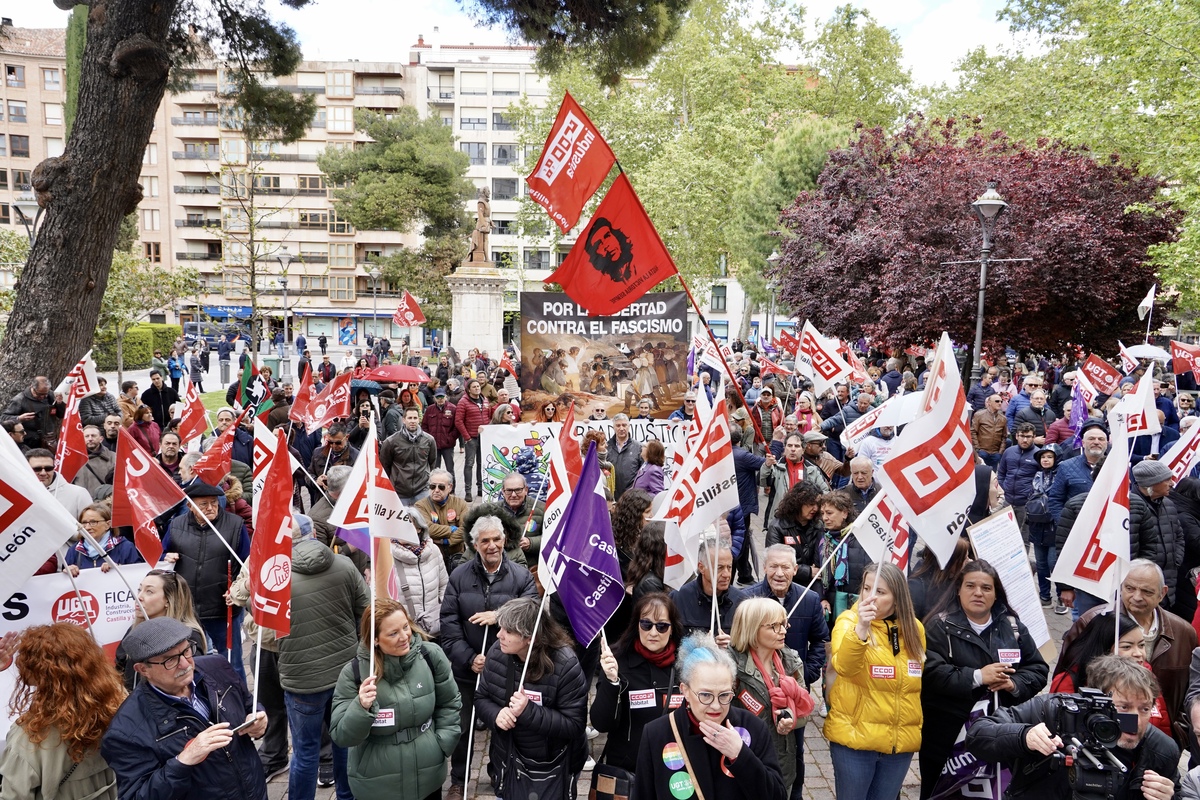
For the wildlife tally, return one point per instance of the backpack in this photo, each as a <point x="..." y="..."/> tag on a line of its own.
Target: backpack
<point x="1037" y="508"/>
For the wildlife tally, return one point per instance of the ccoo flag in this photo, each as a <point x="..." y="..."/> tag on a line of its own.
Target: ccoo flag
<point x="618" y="258"/>
<point x="33" y="525"/>
<point x="575" y="161"/>
<point x="582" y="556"/>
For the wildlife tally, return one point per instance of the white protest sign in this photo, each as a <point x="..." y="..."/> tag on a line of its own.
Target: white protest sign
<point x="997" y="540"/>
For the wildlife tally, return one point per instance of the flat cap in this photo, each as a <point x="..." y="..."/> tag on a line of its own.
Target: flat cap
<point x="154" y="637"/>
<point x="202" y="489"/>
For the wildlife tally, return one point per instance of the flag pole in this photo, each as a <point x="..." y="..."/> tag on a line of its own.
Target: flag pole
<point x="536" y="624"/>
<point x="79" y="597"/>
<point x="1149" y="319"/>
<point x="471" y="729"/>
<point x="257" y="666"/>
<point x="817" y="574"/>
<point x="712" y="576"/>
<point x="108" y="560"/>
<point x="213" y="528"/>
<point x="374" y="578"/>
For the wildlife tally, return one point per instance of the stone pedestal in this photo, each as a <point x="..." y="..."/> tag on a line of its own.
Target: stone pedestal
<point x="477" y="319"/>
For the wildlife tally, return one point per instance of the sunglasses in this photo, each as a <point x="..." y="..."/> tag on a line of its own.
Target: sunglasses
<point x="441" y="487"/>
<point x="43" y="469"/>
<point x="661" y="627"/>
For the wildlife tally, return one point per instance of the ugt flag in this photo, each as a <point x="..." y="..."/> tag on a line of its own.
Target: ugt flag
<point x="270" y="562"/>
<point x="1184" y="357"/>
<point x="618" y="258"/>
<point x="1101" y="374"/>
<point x="408" y="313"/>
<point x="142" y="490"/>
<point x="575" y="161"/>
<point x="582" y="556"/>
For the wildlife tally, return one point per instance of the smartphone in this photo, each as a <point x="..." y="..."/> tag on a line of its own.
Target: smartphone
<point x="244" y="725"/>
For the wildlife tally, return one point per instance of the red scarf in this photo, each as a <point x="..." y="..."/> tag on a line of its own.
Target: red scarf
<point x="663" y="659"/>
<point x="787" y="694"/>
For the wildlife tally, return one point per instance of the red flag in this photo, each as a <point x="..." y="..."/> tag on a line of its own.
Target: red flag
<point x="142" y="490"/>
<point x="271" y="548"/>
<point x="303" y="398"/>
<point x="408" y="313"/>
<point x="332" y="403"/>
<point x="70" y="455"/>
<point x="217" y="461"/>
<point x="788" y="342"/>
<point x="575" y="161"/>
<point x="506" y="363"/>
<point x="194" y="421"/>
<point x="618" y="258"/>
<point x="768" y="367"/>
<point x="1184" y="357"/>
<point x="1101" y="374"/>
<point x="569" y="443"/>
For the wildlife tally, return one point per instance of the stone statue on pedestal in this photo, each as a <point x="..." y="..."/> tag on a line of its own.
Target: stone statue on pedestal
<point x="483" y="227"/>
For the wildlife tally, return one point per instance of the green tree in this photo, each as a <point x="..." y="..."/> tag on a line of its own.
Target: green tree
<point x="858" y="71"/>
<point x="76" y="38"/>
<point x="14" y="249"/>
<point x="409" y="177"/>
<point x="135" y="289"/>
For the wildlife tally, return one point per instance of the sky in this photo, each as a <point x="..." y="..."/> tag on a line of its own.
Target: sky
<point x="934" y="33"/>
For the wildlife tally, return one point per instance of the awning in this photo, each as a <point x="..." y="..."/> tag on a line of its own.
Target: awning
<point x="224" y="312"/>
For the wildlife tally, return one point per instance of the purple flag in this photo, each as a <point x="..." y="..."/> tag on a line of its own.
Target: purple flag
<point x="356" y="537"/>
<point x="582" y="556"/>
<point x="691" y="361"/>
<point x="1079" y="412"/>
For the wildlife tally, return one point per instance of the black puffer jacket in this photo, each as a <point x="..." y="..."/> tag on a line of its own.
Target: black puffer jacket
<point x="805" y="540"/>
<point x="642" y="694"/>
<point x="553" y="719"/>
<point x="513" y="529"/>
<point x="953" y="651"/>
<point x="1186" y="497"/>
<point x="470" y="592"/>
<point x="1155" y="533"/>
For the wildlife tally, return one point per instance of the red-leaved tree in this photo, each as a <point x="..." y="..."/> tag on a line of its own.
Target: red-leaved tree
<point x="866" y="251"/>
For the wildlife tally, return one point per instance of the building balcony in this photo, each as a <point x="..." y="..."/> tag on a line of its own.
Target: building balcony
<point x="197" y="189"/>
<point x="199" y="155"/>
<point x="197" y="223"/>
<point x="392" y="90"/>
<point x="198" y="256"/>
<point x="202" y="87"/>
<point x="439" y="95"/>
<point x="212" y="120"/>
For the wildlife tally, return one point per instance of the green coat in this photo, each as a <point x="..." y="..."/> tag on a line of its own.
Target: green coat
<point x="380" y="766"/>
<point x="750" y="680"/>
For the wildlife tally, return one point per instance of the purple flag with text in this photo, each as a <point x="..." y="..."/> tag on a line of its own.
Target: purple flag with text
<point x="582" y="556"/>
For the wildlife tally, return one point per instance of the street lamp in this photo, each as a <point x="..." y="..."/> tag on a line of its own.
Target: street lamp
<point x="772" y="287"/>
<point x="29" y="212"/>
<point x="285" y="261"/>
<point x="987" y="208"/>
<point x="375" y="273"/>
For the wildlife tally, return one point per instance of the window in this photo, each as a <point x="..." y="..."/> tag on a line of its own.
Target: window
<point x="3" y="178"/>
<point x="54" y="147"/>
<point x="53" y="112"/>
<point x="476" y="151"/>
<point x="474" y="83"/>
<point x="268" y="184"/>
<point x="311" y="184"/>
<point x="21" y="180"/>
<point x="503" y="227"/>
<point x="341" y="255"/>
<point x="719" y="329"/>
<point x="537" y="259"/>
<point x="236" y="219"/>
<point x="506" y="84"/>
<point x="150" y="157"/>
<point x="152" y="251"/>
<point x="149" y="185"/>
<point x="14" y="76"/>
<point x="236" y="284"/>
<point x="504" y="189"/>
<point x="503" y="258"/>
<point x="51" y="80"/>
<point x="5" y="214"/>
<point x="214" y="250"/>
<point x="473" y="119"/>
<point x="717" y="301"/>
<point x="151" y="219"/>
<point x="504" y="154"/>
<point x="265" y="149"/>
<point x="235" y="184"/>
<point x="17" y="111"/>
<point x="341" y="287"/>
<point x="314" y="283"/>
<point x="339" y="225"/>
<point x="340" y="119"/>
<point x="233" y="151"/>
<point x="314" y="220"/>
<point x="339" y="84"/>
<point x="501" y="122"/>
<point x="448" y="121"/>
<point x="3" y="147"/>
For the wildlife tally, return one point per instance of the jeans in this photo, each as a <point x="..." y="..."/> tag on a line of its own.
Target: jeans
<point x="416" y="498"/>
<point x="474" y="464"/>
<point x="217" y="632"/>
<point x="1046" y="556"/>
<point x="867" y="775"/>
<point x="798" y="786"/>
<point x="445" y="459"/>
<point x="991" y="459"/>
<point x="458" y="759"/>
<point x="274" y="749"/>
<point x="1085" y="602"/>
<point x="307" y="715"/>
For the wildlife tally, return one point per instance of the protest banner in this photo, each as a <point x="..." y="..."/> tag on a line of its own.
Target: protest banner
<point x="997" y="540"/>
<point x="522" y="447"/>
<point x="612" y="362"/>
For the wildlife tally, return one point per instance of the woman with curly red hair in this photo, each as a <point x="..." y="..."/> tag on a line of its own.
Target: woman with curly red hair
<point x="65" y="698"/>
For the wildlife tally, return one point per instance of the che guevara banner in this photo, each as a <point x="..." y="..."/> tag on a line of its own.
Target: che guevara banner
<point x="575" y="161"/>
<point x="618" y="258"/>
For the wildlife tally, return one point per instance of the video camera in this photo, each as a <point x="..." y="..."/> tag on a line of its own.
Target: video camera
<point x="1090" y="726"/>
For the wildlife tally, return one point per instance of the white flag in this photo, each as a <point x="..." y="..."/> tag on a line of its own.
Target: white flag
<point x="930" y="473"/>
<point x="1135" y="412"/>
<point x="369" y="501"/>
<point x="557" y="498"/>
<point x="882" y="532"/>
<point x="1128" y="362"/>
<point x="1182" y="456"/>
<point x="817" y="358"/>
<point x="1147" y="304"/>
<point x="1100" y="535"/>
<point x="33" y="525"/>
<point x="82" y="379"/>
<point x="1086" y="388"/>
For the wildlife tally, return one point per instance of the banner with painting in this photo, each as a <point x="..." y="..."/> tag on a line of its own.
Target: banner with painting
<point x="609" y="362"/>
<point x="523" y="448"/>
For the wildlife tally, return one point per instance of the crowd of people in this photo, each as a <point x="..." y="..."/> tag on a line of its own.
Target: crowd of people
<point x="702" y="689"/>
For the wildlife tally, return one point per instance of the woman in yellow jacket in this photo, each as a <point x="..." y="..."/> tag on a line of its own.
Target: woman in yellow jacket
<point x="874" y="722"/>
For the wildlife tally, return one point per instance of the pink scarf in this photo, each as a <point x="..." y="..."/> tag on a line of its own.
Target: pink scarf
<point x="787" y="694"/>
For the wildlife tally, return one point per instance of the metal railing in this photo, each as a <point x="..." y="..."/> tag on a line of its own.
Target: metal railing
<point x="197" y="189"/>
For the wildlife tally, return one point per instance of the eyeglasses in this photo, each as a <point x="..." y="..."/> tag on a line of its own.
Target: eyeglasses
<point x="20" y="432"/>
<point x="43" y="469"/>
<point x="518" y="490"/>
<point x="647" y="624"/>
<point x="171" y="662"/>
<point x="92" y="522"/>
<point x="707" y="698"/>
<point x="439" y="487"/>
<point x="777" y="627"/>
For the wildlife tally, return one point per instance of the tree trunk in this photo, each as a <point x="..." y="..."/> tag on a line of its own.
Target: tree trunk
<point x="86" y="192"/>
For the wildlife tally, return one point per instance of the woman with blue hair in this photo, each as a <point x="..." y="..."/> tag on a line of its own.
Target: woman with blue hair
<point x="704" y="748"/>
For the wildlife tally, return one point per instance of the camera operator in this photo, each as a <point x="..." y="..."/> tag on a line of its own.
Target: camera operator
<point x="1025" y="736"/>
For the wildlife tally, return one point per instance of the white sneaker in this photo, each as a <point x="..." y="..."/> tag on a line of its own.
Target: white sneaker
<point x="592" y="733"/>
<point x="588" y="765"/>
